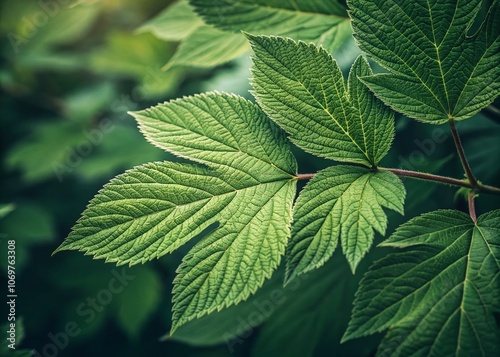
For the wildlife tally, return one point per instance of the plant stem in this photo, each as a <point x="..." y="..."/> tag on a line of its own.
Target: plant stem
<point x="488" y="188"/>
<point x="463" y="159"/>
<point x="304" y="176"/>
<point x="427" y="177"/>
<point x="472" y="207"/>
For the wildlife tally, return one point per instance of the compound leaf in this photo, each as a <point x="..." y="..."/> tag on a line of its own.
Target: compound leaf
<point x="301" y="87"/>
<point x="340" y="202"/>
<point x="437" y="71"/>
<point x="323" y="22"/>
<point x="437" y="298"/>
<point x="247" y="188"/>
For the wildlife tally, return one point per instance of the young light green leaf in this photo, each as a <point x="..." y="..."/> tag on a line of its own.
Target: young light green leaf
<point x="323" y="22"/>
<point x="438" y="297"/>
<point x="208" y="47"/>
<point x="140" y="57"/>
<point x="301" y="87"/>
<point x="340" y="202"/>
<point x="175" y="23"/>
<point x="437" y="71"/>
<point x="247" y="188"/>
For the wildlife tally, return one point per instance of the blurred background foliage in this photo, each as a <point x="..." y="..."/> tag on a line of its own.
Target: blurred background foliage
<point x="69" y="72"/>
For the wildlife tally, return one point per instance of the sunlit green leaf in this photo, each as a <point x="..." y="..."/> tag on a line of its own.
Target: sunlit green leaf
<point x="247" y="188"/>
<point x="340" y="203"/>
<point x="325" y="23"/>
<point x="301" y="88"/>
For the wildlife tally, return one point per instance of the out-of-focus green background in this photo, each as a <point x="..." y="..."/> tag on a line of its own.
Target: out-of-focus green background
<point x="69" y="72"/>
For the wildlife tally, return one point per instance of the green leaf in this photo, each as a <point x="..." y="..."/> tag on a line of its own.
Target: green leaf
<point x="4" y="344"/>
<point x="138" y="301"/>
<point x="247" y="188"/>
<point x="313" y="312"/>
<point x="208" y="47"/>
<point x="223" y="326"/>
<point x="325" y="23"/>
<point x="340" y="202"/>
<point x="109" y="156"/>
<point x="301" y="88"/>
<point x="5" y="209"/>
<point x="46" y="149"/>
<point x="31" y="226"/>
<point x="437" y="71"/>
<point x="139" y="57"/>
<point x="82" y="106"/>
<point x="231" y="79"/>
<point x="437" y="298"/>
<point x="175" y="23"/>
<point x="75" y="20"/>
<point x="219" y="129"/>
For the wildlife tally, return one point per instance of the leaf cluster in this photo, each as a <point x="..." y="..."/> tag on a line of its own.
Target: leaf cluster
<point x="235" y="197"/>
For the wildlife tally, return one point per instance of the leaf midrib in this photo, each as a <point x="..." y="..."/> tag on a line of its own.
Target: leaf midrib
<point x="235" y="191"/>
<point x="408" y="273"/>
<point x="190" y="297"/>
<point x="237" y="149"/>
<point x="326" y="110"/>
<point x="406" y="64"/>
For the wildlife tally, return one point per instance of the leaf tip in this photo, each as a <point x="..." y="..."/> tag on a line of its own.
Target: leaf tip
<point x="132" y="113"/>
<point x="249" y="36"/>
<point x="347" y="336"/>
<point x="353" y="265"/>
<point x="57" y="250"/>
<point x="174" y="327"/>
<point x="165" y="337"/>
<point x="388" y="243"/>
<point x="167" y="66"/>
<point x="289" y="277"/>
